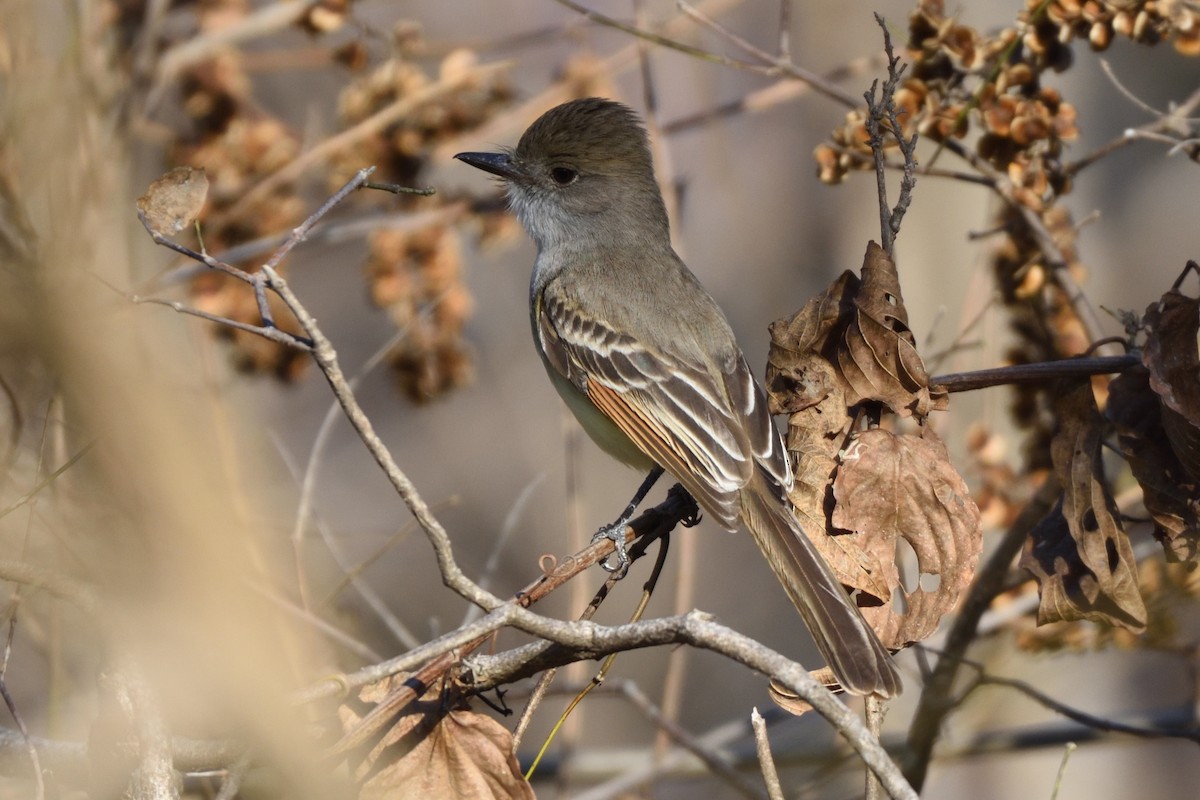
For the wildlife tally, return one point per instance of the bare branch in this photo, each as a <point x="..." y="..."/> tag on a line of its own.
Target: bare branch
<point x="765" y="760"/>
<point x="937" y="701"/>
<point x="1034" y="373"/>
<point x="877" y="114"/>
<point x="654" y="38"/>
<point x="778" y="64"/>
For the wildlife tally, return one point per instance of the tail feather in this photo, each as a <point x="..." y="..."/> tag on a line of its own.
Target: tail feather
<point x="859" y="660"/>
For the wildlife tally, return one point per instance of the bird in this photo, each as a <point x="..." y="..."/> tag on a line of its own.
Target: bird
<point x="647" y="362"/>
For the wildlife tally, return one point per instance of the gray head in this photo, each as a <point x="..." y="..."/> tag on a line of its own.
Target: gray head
<point x="582" y="173"/>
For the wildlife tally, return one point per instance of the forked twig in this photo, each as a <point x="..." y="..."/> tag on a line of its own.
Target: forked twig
<point x="879" y="114"/>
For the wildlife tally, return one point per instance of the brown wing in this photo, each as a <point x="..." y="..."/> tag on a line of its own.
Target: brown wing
<point x="690" y="418"/>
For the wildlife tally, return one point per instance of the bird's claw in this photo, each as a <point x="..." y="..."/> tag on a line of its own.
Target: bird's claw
<point x="616" y="533"/>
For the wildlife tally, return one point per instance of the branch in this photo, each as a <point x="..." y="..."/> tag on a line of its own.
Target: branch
<point x="583" y="641"/>
<point x="877" y="114"/>
<point x="936" y="701"/>
<point x="654" y="38"/>
<point x="1190" y="733"/>
<point x="780" y="64"/>
<point x="1035" y="373"/>
<point x="396" y="110"/>
<point x="694" y="628"/>
<point x="766" y="761"/>
<point x="1047" y="246"/>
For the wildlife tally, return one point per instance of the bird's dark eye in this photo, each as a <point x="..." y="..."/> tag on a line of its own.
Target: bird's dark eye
<point x="563" y="175"/>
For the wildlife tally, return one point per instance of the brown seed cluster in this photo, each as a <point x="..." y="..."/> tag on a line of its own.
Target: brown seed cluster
<point x="1147" y="22"/>
<point x="393" y="111"/>
<point x="962" y="82"/>
<point x="237" y="144"/>
<point x="400" y="147"/>
<point x="416" y="277"/>
<point x="989" y="93"/>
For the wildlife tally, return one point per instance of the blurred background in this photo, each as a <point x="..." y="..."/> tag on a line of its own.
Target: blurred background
<point x="187" y="508"/>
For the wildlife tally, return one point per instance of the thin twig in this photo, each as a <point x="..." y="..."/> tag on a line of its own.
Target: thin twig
<point x="13" y="615"/>
<point x="766" y="761"/>
<point x="1062" y="768"/>
<point x="589" y="613"/>
<point x="877" y="114"/>
<point x="776" y="64"/>
<point x="30" y="749"/>
<point x="717" y="763"/>
<point x="785" y="40"/>
<point x="304" y="508"/>
<point x="877" y="709"/>
<point x="329" y="630"/>
<point x="654" y="38"/>
<point x="508" y="528"/>
<point x="1039" y="372"/>
<point x="45" y="482"/>
<point x="56" y="583"/>
<point x="330" y="232"/>
<point x="1002" y="185"/>
<point x="266" y="331"/>
<point x="540" y="690"/>
<point x="913" y="167"/>
<point x="233" y="778"/>
<point x="1189" y="733"/>
<point x="398" y="109"/>
<point x="1172" y="127"/>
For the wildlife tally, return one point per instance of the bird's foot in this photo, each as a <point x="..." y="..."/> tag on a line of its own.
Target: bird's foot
<point x="615" y="532"/>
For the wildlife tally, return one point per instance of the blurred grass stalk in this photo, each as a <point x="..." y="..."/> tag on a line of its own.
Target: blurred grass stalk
<point x="160" y="516"/>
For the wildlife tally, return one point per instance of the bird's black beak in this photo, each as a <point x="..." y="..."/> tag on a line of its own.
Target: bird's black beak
<point x="496" y="163"/>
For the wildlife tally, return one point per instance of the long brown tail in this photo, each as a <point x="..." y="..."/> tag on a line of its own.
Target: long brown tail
<point x="858" y="659"/>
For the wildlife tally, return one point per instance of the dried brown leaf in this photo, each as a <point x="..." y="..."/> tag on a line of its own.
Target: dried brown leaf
<point x="793" y="703"/>
<point x="892" y="487"/>
<point x="435" y="750"/>
<point x="806" y="333"/>
<point x="173" y="202"/>
<point x="878" y="352"/>
<point x="816" y="429"/>
<point x="1172" y="325"/>
<point x="1171" y="495"/>
<point x="861" y="327"/>
<point x="1086" y="570"/>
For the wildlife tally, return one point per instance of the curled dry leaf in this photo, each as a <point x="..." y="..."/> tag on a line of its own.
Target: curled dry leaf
<point x="816" y="429"/>
<point x="847" y="345"/>
<point x="437" y="748"/>
<point x="1170" y="493"/>
<point x="877" y="351"/>
<point x="174" y="201"/>
<point x="860" y="326"/>
<point x="793" y="703"/>
<point x="1080" y="554"/>
<point x="1172" y="325"/>
<point x="891" y="487"/>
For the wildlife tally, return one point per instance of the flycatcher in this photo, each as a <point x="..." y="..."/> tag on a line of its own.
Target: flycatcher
<point x="647" y="362"/>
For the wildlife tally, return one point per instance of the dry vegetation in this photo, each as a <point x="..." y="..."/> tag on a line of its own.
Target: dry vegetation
<point x="172" y="632"/>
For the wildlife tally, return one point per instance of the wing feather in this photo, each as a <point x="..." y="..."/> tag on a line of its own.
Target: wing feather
<point x="680" y="413"/>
